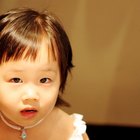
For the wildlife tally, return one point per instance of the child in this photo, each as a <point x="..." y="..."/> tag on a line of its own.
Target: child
<point x="35" y="58"/>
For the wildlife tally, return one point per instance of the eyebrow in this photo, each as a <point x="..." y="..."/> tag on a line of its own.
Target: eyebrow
<point x="41" y="69"/>
<point x="48" y="70"/>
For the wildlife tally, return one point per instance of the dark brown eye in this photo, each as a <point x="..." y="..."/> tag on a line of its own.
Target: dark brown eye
<point x="44" y="80"/>
<point x="16" y="80"/>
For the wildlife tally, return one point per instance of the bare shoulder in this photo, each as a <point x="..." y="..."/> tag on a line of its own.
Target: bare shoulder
<point x="85" y="136"/>
<point x="64" y="122"/>
<point x="72" y="120"/>
<point x="68" y="121"/>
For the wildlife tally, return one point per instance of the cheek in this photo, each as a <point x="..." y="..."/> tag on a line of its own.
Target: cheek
<point x="49" y="98"/>
<point x="48" y="104"/>
<point x="7" y="99"/>
<point x="7" y="102"/>
<point x="8" y="107"/>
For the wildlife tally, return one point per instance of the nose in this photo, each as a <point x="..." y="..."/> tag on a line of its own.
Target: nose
<point x="30" y="93"/>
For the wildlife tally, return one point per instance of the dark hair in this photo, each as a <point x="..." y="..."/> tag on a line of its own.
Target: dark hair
<point x="21" y="32"/>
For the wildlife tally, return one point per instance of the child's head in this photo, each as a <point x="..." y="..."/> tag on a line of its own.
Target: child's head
<point x="23" y="30"/>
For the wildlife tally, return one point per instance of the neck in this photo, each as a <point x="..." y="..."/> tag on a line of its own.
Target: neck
<point x="19" y="128"/>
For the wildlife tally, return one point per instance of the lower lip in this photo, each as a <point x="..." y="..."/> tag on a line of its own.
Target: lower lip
<point x="29" y="114"/>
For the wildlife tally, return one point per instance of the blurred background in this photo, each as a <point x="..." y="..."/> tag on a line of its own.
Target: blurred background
<point x="105" y="83"/>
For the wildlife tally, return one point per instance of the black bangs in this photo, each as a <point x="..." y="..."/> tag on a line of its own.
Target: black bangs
<point x="20" y="36"/>
<point x="13" y="47"/>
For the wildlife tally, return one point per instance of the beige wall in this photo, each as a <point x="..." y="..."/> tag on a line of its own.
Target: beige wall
<point x="105" y="39"/>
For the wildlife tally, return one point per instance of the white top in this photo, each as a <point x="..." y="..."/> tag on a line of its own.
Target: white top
<point x="80" y="127"/>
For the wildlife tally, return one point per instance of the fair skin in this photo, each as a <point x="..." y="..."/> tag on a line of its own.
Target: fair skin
<point x="28" y="93"/>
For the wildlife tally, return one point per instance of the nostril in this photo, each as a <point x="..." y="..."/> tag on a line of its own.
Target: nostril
<point x="31" y="99"/>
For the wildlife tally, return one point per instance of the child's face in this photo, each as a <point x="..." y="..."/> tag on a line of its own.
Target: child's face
<point x="29" y="89"/>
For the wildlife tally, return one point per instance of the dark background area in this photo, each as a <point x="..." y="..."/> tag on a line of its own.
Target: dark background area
<point x="112" y="132"/>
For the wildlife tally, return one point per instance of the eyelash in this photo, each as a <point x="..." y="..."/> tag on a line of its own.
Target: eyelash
<point x="18" y="80"/>
<point x="47" y="80"/>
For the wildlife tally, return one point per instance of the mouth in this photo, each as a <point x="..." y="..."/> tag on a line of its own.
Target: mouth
<point x="29" y="112"/>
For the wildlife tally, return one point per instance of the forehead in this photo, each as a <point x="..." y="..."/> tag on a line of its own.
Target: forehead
<point x="44" y="61"/>
<point x="46" y="51"/>
<point x="29" y="66"/>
